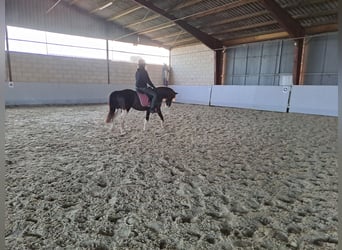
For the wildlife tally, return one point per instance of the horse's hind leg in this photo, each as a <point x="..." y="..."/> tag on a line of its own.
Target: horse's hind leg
<point x="123" y="116"/>
<point x="146" y="119"/>
<point x="113" y="119"/>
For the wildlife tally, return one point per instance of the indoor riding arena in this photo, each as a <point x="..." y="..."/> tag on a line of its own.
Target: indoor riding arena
<point x="244" y="158"/>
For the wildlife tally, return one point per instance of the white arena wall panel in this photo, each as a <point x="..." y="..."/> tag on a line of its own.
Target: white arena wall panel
<point x="271" y="98"/>
<point x="23" y="93"/>
<point x="192" y="94"/>
<point x="317" y="100"/>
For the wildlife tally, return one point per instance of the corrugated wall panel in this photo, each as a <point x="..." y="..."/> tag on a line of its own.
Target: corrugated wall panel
<point x="321" y="60"/>
<point x="260" y="64"/>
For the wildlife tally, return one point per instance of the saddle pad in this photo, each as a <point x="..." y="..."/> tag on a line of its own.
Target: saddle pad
<point x="144" y="100"/>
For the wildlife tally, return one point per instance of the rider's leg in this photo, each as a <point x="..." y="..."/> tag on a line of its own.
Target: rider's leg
<point x="153" y="94"/>
<point x="154" y="99"/>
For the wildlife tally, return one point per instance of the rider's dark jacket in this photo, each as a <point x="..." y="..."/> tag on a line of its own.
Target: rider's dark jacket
<point x="142" y="79"/>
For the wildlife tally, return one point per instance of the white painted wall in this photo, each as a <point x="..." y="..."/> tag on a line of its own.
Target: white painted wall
<point x="24" y="93"/>
<point x="193" y="94"/>
<point x="318" y="100"/>
<point x="272" y="98"/>
<point x="192" y="65"/>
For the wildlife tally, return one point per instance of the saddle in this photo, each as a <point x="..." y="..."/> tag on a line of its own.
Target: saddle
<point x="144" y="99"/>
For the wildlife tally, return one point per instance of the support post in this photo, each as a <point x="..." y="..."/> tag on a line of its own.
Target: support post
<point x="108" y="68"/>
<point x="297" y="63"/>
<point x="218" y="67"/>
<point x="8" y="58"/>
<point x="224" y="67"/>
<point x="2" y="126"/>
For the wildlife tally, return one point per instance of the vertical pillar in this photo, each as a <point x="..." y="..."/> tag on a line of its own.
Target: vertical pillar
<point x="107" y="53"/>
<point x="2" y="125"/>
<point x="108" y="68"/>
<point x="297" y="63"/>
<point x="10" y="78"/>
<point x="218" y="66"/>
<point x="224" y="67"/>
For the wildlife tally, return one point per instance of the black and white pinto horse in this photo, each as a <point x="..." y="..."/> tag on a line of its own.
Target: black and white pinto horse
<point x="126" y="99"/>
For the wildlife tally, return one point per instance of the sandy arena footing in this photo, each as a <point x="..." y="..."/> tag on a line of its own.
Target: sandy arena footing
<point x="212" y="178"/>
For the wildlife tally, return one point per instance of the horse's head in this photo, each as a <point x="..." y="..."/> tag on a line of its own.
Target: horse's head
<point x="170" y="99"/>
<point x="166" y="94"/>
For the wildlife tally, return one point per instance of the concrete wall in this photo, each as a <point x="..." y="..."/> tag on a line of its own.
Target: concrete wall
<point x="57" y="69"/>
<point x="192" y="65"/>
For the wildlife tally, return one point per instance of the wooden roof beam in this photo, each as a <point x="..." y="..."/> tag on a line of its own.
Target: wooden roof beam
<point x="317" y="14"/>
<point x="101" y="7"/>
<point x="220" y="8"/>
<point x="172" y="8"/>
<point x="258" y="38"/>
<point x="252" y="26"/>
<point x="206" y="39"/>
<point x="322" y="28"/>
<point x="285" y="20"/>
<point x="234" y="19"/>
<point x="185" y="40"/>
<point x="184" y="44"/>
<point x="184" y="4"/>
<point x="181" y="32"/>
<point x="73" y="2"/>
<point x="125" y="12"/>
<point x="159" y="27"/>
<point x="143" y="21"/>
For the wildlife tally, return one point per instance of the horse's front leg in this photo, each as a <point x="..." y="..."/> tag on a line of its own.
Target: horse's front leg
<point x="146" y="118"/>
<point x="161" y="118"/>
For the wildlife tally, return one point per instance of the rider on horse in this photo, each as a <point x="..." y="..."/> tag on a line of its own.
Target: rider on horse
<point x="142" y="82"/>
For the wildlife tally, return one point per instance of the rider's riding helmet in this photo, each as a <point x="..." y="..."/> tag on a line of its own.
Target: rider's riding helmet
<point x="141" y="62"/>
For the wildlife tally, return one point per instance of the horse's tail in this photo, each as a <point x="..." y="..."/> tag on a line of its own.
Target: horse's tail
<point x="111" y="112"/>
<point x="110" y="115"/>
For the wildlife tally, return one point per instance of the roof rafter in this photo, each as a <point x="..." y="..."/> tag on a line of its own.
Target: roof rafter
<point x="206" y="39"/>
<point x="125" y="12"/>
<point x="234" y="19"/>
<point x="143" y="21"/>
<point x="221" y="8"/>
<point x="185" y="4"/>
<point x="316" y="14"/>
<point x="159" y="27"/>
<point x="185" y="40"/>
<point x="258" y="38"/>
<point x="181" y="32"/>
<point x="322" y="28"/>
<point x="289" y="24"/>
<point x="172" y="8"/>
<point x="252" y="26"/>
